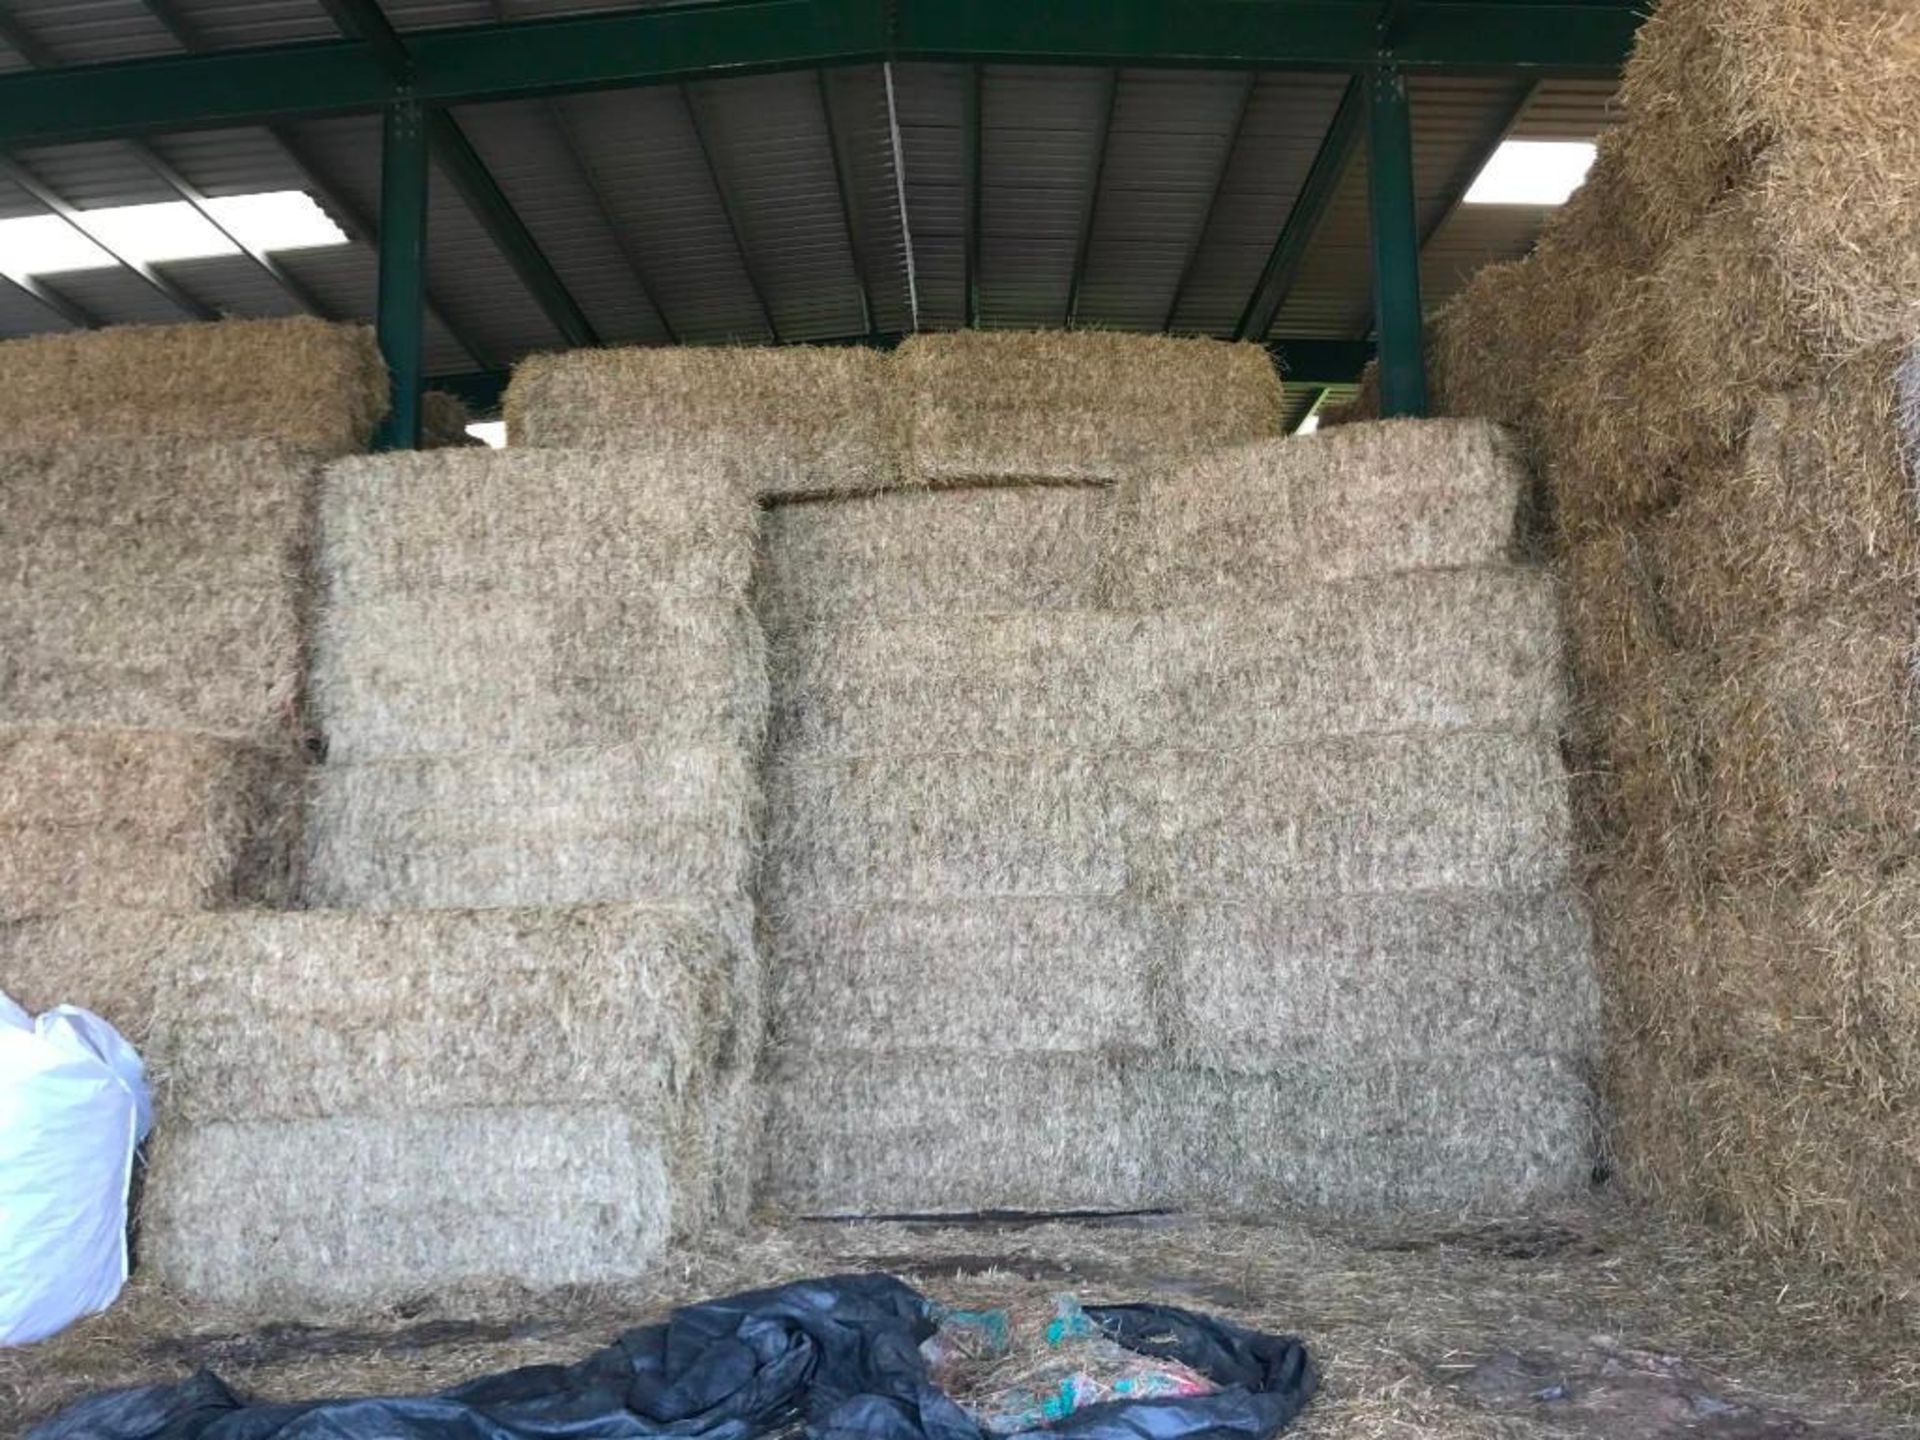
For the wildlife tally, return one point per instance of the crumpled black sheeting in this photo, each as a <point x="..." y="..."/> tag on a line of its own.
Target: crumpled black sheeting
<point x="842" y="1354"/>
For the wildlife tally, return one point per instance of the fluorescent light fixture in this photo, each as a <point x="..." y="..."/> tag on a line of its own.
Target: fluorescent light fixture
<point x="489" y="432"/>
<point x="153" y="234"/>
<point x="1532" y="172"/>
<point x="1308" y="425"/>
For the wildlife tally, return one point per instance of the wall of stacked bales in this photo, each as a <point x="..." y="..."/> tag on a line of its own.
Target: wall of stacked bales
<point x="1711" y="353"/>
<point x="1158" y="813"/>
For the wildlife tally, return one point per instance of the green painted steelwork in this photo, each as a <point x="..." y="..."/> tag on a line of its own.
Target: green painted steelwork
<point x="1081" y="250"/>
<point x="462" y="165"/>
<point x="1396" y="245"/>
<point x="400" y="313"/>
<point x="1304" y="216"/>
<point x="666" y="43"/>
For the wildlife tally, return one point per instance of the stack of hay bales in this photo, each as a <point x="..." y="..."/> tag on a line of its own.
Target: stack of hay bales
<point x="1712" y="351"/>
<point x="1378" y="985"/>
<point x="529" y="995"/>
<point x="155" y="503"/>
<point x="963" y="982"/>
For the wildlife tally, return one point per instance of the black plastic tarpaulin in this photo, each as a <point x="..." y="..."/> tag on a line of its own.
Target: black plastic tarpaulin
<point x="841" y="1355"/>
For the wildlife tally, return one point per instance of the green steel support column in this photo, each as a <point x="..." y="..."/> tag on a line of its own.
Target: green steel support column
<point x="1396" y="245"/>
<point x="403" y="268"/>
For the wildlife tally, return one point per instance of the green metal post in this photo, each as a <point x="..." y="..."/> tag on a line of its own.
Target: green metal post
<point x="403" y="268"/>
<point x="1396" y="245"/>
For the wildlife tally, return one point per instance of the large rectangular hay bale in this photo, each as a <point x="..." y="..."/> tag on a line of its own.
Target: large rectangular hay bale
<point x="931" y="826"/>
<point x="1262" y="985"/>
<point x="157" y="585"/>
<point x="1082" y="404"/>
<point x="308" y="1014"/>
<point x="142" y="818"/>
<point x="665" y="519"/>
<point x="802" y="418"/>
<point x="857" y="1134"/>
<point x="1020" y="977"/>
<point x="1255" y="522"/>
<point x="566" y="827"/>
<point x="1473" y="811"/>
<point x="1494" y="1134"/>
<point x="415" y="673"/>
<point x="318" y="386"/>
<point x="375" y="1210"/>
<point x="101" y="959"/>
<point x="942" y="552"/>
<point x="1463" y="649"/>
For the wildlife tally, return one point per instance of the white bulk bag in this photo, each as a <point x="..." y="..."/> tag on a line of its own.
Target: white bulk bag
<point x="73" y="1108"/>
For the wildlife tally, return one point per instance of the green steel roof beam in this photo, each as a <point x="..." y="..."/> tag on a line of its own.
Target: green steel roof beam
<point x="1085" y="246"/>
<point x="733" y="220"/>
<point x="400" y="307"/>
<point x="849" y="207"/>
<point x="188" y="305"/>
<point x="462" y="165"/>
<point x="1213" y="202"/>
<point x="669" y="43"/>
<point x="1308" y="209"/>
<point x="51" y="301"/>
<point x="1396" y="245"/>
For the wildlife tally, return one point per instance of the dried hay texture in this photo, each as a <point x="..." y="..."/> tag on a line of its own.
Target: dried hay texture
<point x="1463" y="649"/>
<point x="1260" y="986"/>
<point x="317" y="386"/>
<point x="286" y="1217"/>
<point x="565" y="827"/>
<point x="888" y="1134"/>
<point x="154" y="585"/>
<point x="1078" y="404"/>
<point x="1256" y="522"/>
<point x="852" y="1134"/>
<point x="141" y="818"/>
<point x="1817" y="511"/>
<point x="1762" y="1061"/>
<point x="798" y="418"/>
<point x="311" y="1014"/>
<point x="1470" y="811"/>
<point x="1498" y="1134"/>
<point x="941" y="552"/>
<point x="668" y="520"/>
<point x="883" y="827"/>
<point x="1667" y="380"/>
<point x="443" y="422"/>
<point x="989" y="977"/>
<point x="417" y="674"/>
<point x="97" y="958"/>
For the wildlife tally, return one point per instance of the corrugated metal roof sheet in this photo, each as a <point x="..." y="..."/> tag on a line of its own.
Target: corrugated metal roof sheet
<point x="764" y="206"/>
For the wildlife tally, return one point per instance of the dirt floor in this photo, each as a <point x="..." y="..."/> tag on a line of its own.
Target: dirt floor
<point x="1595" y="1322"/>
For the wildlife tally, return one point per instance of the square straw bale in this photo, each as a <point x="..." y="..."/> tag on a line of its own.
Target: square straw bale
<point x="918" y="552"/>
<point x="1079" y="404"/>
<point x="142" y="818"/>
<point x="563" y="827"/>
<point x="1006" y="977"/>
<point x="414" y="1203"/>
<point x="932" y="826"/>
<point x="317" y="1013"/>
<point x="1255" y="522"/>
<point x="311" y="384"/>
<point x="800" y="418"/>
<point x="1473" y="811"/>
<point x="431" y="673"/>
<point x="1261" y="985"/>
<point x="662" y="519"/>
